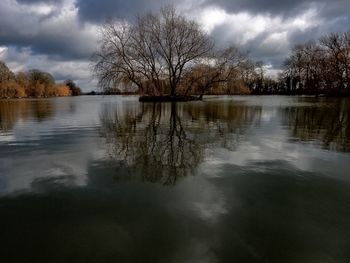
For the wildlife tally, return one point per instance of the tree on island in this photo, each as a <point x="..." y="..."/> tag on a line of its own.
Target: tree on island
<point x="162" y="54"/>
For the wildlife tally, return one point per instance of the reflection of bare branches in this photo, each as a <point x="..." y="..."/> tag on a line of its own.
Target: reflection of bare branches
<point x="224" y="123"/>
<point x="328" y="124"/>
<point x="164" y="142"/>
<point x="154" y="143"/>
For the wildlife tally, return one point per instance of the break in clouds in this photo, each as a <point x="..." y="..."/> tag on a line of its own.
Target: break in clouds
<point x="59" y="36"/>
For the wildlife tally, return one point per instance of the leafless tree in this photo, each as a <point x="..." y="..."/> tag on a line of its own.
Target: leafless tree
<point x="154" y="53"/>
<point x="336" y="47"/>
<point x="217" y="69"/>
<point x="322" y="66"/>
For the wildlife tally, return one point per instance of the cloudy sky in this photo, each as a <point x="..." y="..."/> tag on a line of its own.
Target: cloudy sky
<point x="59" y="36"/>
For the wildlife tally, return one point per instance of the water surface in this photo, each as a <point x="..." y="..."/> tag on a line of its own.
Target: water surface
<point x="229" y="179"/>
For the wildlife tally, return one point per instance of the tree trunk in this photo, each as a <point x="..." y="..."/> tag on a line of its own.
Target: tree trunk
<point x="172" y="90"/>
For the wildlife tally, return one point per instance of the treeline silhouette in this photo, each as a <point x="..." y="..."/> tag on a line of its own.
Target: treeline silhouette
<point x="321" y="67"/>
<point x="313" y="68"/>
<point x="33" y="83"/>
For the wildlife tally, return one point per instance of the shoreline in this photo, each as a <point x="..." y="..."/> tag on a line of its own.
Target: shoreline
<point x="184" y="98"/>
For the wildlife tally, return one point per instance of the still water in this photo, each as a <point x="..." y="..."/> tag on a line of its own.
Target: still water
<point x="229" y="179"/>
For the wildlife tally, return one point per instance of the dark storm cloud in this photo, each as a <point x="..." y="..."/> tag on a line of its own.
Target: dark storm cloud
<point x="327" y="8"/>
<point x="39" y="1"/>
<point x="55" y="48"/>
<point x="256" y="48"/>
<point x="100" y="10"/>
<point x="65" y="31"/>
<point x="52" y="32"/>
<point x="315" y="33"/>
<point x="257" y="6"/>
<point x="93" y="10"/>
<point x="334" y="9"/>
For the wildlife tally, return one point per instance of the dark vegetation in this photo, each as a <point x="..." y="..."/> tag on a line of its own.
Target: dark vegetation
<point x="33" y="83"/>
<point x="313" y="68"/>
<point x="321" y="67"/>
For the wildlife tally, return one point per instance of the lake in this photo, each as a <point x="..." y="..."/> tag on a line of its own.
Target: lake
<point x="228" y="179"/>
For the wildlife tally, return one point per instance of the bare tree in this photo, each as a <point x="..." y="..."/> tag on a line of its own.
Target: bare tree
<point x="320" y="67"/>
<point x="216" y="70"/>
<point x="336" y="48"/>
<point x="154" y="53"/>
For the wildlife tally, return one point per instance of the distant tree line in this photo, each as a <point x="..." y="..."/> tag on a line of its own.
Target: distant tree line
<point x="313" y="68"/>
<point x="33" y="83"/>
<point x="321" y="67"/>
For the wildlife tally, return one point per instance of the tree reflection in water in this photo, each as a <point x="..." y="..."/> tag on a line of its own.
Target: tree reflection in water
<point x="328" y="124"/>
<point x="10" y="111"/>
<point x="164" y="142"/>
<point x="13" y="110"/>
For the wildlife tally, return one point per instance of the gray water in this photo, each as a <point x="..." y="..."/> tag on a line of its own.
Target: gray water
<point x="229" y="179"/>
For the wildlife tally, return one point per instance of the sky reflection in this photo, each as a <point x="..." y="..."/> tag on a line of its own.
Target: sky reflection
<point x="229" y="179"/>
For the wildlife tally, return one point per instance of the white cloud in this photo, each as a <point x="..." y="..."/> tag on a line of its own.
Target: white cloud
<point x="211" y="18"/>
<point x="39" y="9"/>
<point x="243" y="27"/>
<point x="266" y="37"/>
